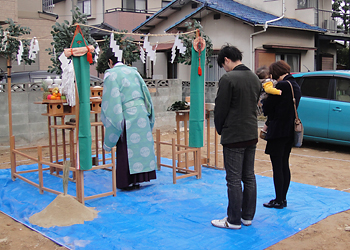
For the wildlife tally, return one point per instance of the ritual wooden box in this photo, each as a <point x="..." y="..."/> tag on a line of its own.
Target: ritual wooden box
<point x="95" y="104"/>
<point x="96" y="91"/>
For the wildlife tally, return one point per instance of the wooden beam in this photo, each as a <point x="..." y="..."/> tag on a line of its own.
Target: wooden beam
<point x="175" y="8"/>
<point x="181" y="28"/>
<point x="145" y="31"/>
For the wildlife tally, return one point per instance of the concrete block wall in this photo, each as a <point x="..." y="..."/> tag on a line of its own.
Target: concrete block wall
<point x="210" y="90"/>
<point x="162" y="99"/>
<point x="30" y="126"/>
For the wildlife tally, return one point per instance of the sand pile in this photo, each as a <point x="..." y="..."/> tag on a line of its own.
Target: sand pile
<point x="65" y="210"/>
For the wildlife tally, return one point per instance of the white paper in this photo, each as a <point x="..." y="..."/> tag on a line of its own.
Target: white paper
<point x="115" y="48"/>
<point x="19" y="52"/>
<point x="67" y="86"/>
<point x="34" y="48"/>
<point x="142" y="55"/>
<point x="97" y="52"/>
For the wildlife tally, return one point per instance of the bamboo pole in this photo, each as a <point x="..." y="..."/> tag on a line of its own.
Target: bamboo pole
<point x="9" y="100"/>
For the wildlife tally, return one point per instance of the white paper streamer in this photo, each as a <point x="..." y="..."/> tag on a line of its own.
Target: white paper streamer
<point x="115" y="48"/>
<point x="152" y="54"/>
<point x="97" y="52"/>
<point x="19" y="52"/>
<point x="4" y="41"/>
<point x="142" y="55"/>
<point x="179" y="45"/>
<point x="34" y="48"/>
<point x="147" y="45"/>
<point x="68" y="87"/>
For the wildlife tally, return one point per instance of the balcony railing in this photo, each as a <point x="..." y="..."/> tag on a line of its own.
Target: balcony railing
<point x="332" y="21"/>
<point x="130" y="10"/>
<point x="48" y="6"/>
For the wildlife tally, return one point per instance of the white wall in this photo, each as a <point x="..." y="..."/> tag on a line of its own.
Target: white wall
<point x="111" y="4"/>
<point x="306" y="15"/>
<point x="227" y="30"/>
<point x="160" y="68"/>
<point x="63" y="10"/>
<point x="183" y="72"/>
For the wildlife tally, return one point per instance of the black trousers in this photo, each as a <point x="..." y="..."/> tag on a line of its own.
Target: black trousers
<point x="279" y="151"/>
<point x="124" y="178"/>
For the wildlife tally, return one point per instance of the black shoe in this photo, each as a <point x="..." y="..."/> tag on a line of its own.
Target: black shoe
<point x="274" y="204"/>
<point x="285" y="203"/>
<point x="132" y="187"/>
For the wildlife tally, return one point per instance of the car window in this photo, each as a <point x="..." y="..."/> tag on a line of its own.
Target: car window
<point x="343" y="89"/>
<point x="298" y="79"/>
<point x="315" y="87"/>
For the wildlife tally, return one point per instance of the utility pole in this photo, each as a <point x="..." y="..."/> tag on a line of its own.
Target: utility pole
<point x="74" y="3"/>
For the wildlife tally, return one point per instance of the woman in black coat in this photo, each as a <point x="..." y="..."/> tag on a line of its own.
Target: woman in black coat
<point x="280" y="113"/>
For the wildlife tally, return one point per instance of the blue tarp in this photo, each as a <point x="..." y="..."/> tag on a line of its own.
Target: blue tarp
<point x="161" y="215"/>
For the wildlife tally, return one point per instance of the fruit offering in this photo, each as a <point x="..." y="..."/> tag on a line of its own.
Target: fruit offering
<point x="55" y="94"/>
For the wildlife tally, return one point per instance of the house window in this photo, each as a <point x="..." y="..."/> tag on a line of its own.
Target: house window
<point x="214" y="73"/>
<point x="135" y="5"/>
<point x="85" y="6"/>
<point x="303" y="4"/>
<point x="172" y="66"/>
<point x="165" y="3"/>
<point x="292" y="59"/>
<point x="48" y="6"/>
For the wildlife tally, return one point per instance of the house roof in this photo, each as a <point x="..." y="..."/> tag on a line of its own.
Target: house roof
<point x="99" y="34"/>
<point x="234" y="9"/>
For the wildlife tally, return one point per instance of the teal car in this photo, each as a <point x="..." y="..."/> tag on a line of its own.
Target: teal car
<point x="324" y="107"/>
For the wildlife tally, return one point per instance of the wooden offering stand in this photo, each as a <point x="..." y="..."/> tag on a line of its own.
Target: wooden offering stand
<point x="187" y="160"/>
<point x="183" y="116"/>
<point x="177" y="151"/>
<point x="59" y="109"/>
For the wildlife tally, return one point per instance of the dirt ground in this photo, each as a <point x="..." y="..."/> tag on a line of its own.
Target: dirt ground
<point x="316" y="164"/>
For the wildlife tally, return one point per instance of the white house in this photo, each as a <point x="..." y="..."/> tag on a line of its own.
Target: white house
<point x="299" y="32"/>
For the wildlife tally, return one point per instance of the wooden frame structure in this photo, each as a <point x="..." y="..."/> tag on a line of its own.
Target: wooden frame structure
<point x="183" y="116"/>
<point x="55" y="163"/>
<point x="178" y="166"/>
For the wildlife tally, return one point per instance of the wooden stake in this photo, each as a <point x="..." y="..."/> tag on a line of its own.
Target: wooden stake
<point x="158" y="148"/>
<point x="13" y="157"/>
<point x="66" y="166"/>
<point x="40" y="166"/>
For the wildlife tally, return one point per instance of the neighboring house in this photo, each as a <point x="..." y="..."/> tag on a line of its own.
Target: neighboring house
<point x="110" y="15"/>
<point x="121" y="14"/>
<point x="31" y="14"/>
<point x="299" y="32"/>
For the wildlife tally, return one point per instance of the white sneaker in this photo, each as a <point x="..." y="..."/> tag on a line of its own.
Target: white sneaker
<point x="246" y="222"/>
<point x="224" y="224"/>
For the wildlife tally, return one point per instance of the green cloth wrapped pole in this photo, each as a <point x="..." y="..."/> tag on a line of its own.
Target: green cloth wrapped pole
<point x="82" y="75"/>
<point x="196" y="122"/>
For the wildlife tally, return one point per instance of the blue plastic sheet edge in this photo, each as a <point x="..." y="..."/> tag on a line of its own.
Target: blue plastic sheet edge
<point x="190" y="203"/>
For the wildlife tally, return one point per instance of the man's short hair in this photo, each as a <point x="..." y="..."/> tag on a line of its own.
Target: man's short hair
<point x="231" y="52"/>
<point x="278" y="69"/>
